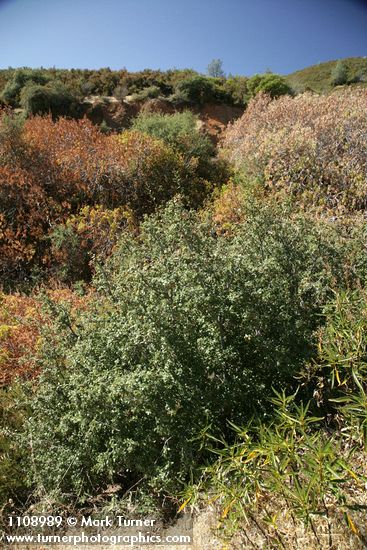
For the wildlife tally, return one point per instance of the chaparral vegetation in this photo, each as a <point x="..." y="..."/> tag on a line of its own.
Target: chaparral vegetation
<point x="183" y="315"/>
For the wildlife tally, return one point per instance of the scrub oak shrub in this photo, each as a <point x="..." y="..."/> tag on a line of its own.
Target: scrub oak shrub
<point x="310" y="147"/>
<point x="12" y="92"/>
<point x="52" y="98"/>
<point x="187" y="329"/>
<point x="236" y="88"/>
<point x="179" y="130"/>
<point x="147" y="93"/>
<point x="154" y="173"/>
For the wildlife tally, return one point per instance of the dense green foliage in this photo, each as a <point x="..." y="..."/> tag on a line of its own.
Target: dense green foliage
<point x="269" y="83"/>
<point x="314" y="472"/>
<point x="52" y="98"/>
<point x="188" y="330"/>
<point x="198" y="90"/>
<point x="181" y="132"/>
<point x="18" y="80"/>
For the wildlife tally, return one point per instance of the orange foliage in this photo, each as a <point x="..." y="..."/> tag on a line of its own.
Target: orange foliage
<point x="24" y="220"/>
<point x="21" y="320"/>
<point x="50" y="170"/>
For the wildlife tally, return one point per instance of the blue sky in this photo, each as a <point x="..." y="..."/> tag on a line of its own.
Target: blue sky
<point x="248" y="35"/>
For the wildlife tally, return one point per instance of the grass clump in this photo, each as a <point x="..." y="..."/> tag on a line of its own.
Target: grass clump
<point x="293" y="479"/>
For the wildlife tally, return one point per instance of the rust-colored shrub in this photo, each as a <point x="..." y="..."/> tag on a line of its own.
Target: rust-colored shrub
<point x="311" y="147"/>
<point x="19" y="317"/>
<point x="21" y="320"/>
<point x="81" y="164"/>
<point x="50" y="170"/>
<point x="24" y="220"/>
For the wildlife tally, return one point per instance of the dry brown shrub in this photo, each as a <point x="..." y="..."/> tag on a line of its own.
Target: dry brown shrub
<point x="311" y="147"/>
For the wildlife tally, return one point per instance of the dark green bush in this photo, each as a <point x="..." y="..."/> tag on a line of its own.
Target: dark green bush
<point x="181" y="132"/>
<point x="147" y="93"/>
<point x="198" y="89"/>
<point x="14" y="86"/>
<point x="236" y="88"/>
<point x="188" y="330"/>
<point x="52" y="98"/>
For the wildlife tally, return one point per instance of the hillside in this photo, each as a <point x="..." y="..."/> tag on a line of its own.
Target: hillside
<point x="113" y="99"/>
<point x="318" y="77"/>
<point x="183" y="318"/>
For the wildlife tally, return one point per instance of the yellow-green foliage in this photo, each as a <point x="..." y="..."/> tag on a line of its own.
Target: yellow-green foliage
<point x="301" y="467"/>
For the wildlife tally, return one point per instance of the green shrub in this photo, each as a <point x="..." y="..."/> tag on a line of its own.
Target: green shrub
<point x="236" y="88"/>
<point x="339" y="74"/>
<point x="179" y="130"/>
<point x="269" y="83"/>
<point x="147" y="93"/>
<point x="14" y="86"/>
<point x="188" y="330"/>
<point x="12" y="455"/>
<point x="198" y="89"/>
<point x="52" y="98"/>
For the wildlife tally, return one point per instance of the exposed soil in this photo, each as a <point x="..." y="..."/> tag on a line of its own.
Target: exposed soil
<point x="119" y="114"/>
